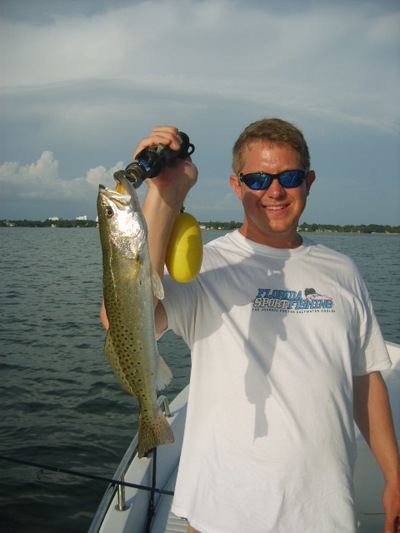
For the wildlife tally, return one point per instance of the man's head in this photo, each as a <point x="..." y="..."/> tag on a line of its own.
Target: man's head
<point x="273" y="131"/>
<point x="272" y="179"/>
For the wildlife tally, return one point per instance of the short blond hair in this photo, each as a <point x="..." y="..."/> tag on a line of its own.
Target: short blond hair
<point x="273" y="131"/>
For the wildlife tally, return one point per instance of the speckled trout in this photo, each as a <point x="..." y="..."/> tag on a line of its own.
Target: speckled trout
<point x="129" y="283"/>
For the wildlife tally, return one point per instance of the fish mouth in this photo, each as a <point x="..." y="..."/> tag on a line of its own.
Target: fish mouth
<point x="114" y="195"/>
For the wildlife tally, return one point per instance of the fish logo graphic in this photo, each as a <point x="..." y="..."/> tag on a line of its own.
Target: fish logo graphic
<point x="312" y="294"/>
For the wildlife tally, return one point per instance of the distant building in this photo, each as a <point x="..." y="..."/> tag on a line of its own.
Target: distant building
<point x="53" y="219"/>
<point x="84" y="217"/>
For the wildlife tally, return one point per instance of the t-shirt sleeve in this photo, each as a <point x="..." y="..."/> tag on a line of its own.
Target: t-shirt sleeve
<point x="370" y="352"/>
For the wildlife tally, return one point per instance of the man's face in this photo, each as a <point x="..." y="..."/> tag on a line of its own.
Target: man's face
<point x="271" y="216"/>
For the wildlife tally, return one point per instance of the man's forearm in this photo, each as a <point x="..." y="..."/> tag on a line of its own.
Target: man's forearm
<point x="160" y="218"/>
<point x="373" y="416"/>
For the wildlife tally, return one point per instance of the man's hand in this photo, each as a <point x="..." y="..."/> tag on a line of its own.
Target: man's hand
<point x="391" y="505"/>
<point x="176" y="178"/>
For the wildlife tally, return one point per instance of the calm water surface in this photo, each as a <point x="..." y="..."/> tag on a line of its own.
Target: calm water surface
<point x="60" y="402"/>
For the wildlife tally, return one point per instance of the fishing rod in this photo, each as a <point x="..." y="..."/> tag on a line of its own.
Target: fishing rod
<point x="149" y="162"/>
<point x="84" y="475"/>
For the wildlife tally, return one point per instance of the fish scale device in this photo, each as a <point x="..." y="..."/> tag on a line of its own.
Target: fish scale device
<point x="185" y="247"/>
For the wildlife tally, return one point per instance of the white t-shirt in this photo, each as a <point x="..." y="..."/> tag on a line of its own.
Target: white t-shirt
<point x="276" y="336"/>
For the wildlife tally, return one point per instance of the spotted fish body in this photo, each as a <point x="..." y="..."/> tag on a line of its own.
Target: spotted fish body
<point x="129" y="283"/>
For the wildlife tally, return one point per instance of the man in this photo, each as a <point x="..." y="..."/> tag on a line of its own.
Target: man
<point x="269" y="440"/>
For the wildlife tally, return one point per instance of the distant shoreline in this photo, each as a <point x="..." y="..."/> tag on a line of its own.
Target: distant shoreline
<point x="222" y="226"/>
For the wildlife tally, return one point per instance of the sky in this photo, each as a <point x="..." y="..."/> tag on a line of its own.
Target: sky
<point x="83" y="82"/>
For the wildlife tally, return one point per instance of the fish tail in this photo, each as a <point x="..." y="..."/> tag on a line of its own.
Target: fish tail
<point x="153" y="432"/>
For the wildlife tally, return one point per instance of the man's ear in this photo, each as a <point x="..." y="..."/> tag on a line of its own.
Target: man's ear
<point x="310" y="180"/>
<point x="235" y="184"/>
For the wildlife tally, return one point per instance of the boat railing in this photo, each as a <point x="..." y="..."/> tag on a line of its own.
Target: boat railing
<point x="119" y="476"/>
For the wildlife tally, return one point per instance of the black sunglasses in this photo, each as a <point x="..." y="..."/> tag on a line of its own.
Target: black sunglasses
<point x="259" y="181"/>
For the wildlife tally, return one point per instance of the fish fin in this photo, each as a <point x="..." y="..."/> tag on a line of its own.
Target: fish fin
<point x="154" y="432"/>
<point x="109" y="352"/>
<point x="164" y="374"/>
<point x="158" y="288"/>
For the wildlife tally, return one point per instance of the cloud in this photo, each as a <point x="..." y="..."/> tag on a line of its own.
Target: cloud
<point x="242" y="52"/>
<point x="243" y="48"/>
<point x="40" y="181"/>
<point x="31" y="180"/>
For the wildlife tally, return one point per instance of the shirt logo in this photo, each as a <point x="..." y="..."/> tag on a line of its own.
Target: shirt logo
<point x="292" y="301"/>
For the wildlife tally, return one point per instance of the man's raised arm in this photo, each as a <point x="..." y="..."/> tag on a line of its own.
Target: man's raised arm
<point x="164" y="200"/>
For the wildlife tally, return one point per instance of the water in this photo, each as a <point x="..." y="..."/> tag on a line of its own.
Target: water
<point x="61" y="404"/>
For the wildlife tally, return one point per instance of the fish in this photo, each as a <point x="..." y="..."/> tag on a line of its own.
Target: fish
<point x="129" y="286"/>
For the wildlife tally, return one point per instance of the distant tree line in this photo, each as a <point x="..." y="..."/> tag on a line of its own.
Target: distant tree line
<point x="331" y="228"/>
<point x="215" y="225"/>
<point x="49" y="223"/>
<point x="349" y="228"/>
<point x="221" y="225"/>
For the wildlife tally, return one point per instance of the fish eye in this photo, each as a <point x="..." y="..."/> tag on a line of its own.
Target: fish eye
<point x="109" y="212"/>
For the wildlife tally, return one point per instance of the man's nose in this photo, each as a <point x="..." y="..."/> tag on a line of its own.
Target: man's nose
<point x="275" y="190"/>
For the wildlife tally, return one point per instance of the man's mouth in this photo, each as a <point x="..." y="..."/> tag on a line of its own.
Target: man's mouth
<point x="275" y="207"/>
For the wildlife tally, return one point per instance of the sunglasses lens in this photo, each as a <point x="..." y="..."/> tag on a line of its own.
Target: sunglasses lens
<point x="257" y="182"/>
<point x="292" y="178"/>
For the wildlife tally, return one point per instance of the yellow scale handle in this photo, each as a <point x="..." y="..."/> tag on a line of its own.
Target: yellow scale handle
<point x="185" y="249"/>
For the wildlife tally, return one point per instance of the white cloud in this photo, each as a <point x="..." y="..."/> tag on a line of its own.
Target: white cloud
<point x="215" y="47"/>
<point x="41" y="180"/>
<point x="32" y="179"/>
